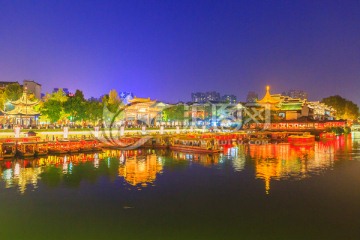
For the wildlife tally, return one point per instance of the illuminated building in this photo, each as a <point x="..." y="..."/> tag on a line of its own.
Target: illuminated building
<point x="228" y="98"/>
<point x="201" y="97"/>
<point x="23" y="112"/>
<point x="143" y="111"/>
<point x="252" y="97"/>
<point x="33" y="87"/>
<point x="288" y="108"/>
<point x="297" y="94"/>
<point x="211" y="113"/>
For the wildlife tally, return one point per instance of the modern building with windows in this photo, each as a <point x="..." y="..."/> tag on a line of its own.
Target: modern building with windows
<point x="33" y="87"/>
<point x="228" y="98"/>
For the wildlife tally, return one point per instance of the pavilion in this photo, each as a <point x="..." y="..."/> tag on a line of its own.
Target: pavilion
<point x="23" y="113"/>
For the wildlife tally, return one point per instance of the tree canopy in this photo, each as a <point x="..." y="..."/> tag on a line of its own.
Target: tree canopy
<point x="345" y="109"/>
<point x="52" y="108"/>
<point x="12" y="92"/>
<point x="174" y="113"/>
<point x="75" y="106"/>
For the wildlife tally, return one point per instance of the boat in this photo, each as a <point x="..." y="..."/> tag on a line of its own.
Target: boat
<point x="301" y="140"/>
<point x="26" y="149"/>
<point x="41" y="148"/>
<point x="200" y="145"/>
<point x="8" y="149"/>
<point x="89" y="145"/>
<point x="59" y="147"/>
<point x="327" y="136"/>
<point x="74" y="145"/>
<point x="157" y="142"/>
<point x="96" y="146"/>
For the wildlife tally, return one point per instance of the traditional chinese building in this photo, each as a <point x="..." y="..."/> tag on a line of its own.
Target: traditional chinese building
<point x="142" y="111"/>
<point x="288" y="108"/>
<point x="23" y="113"/>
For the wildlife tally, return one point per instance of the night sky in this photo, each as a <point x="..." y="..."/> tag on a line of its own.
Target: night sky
<point x="167" y="49"/>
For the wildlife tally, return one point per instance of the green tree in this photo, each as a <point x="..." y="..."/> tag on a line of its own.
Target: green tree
<point x="75" y="106"/>
<point x="94" y="111"/>
<point x="114" y="101"/>
<point x="13" y="92"/>
<point x="345" y="109"/>
<point x="174" y="113"/>
<point x="52" y="108"/>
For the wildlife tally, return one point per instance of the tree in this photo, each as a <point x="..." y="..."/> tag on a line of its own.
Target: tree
<point x="114" y="101"/>
<point x="12" y="92"/>
<point x="75" y="106"/>
<point x="94" y="111"/>
<point x="174" y="113"/>
<point x="345" y="109"/>
<point x="52" y="108"/>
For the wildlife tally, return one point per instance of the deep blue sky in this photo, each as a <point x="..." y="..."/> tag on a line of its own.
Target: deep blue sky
<point x="167" y="49"/>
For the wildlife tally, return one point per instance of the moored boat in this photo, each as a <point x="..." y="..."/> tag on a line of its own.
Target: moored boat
<point x="26" y="149"/>
<point x="59" y="147"/>
<point x="8" y="149"/>
<point x="88" y="145"/>
<point x="74" y="146"/>
<point x="41" y="148"/>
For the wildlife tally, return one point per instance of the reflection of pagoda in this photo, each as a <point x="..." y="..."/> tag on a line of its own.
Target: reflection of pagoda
<point x="23" y="113"/>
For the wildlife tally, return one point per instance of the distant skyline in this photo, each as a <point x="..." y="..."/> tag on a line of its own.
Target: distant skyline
<point x="168" y="49"/>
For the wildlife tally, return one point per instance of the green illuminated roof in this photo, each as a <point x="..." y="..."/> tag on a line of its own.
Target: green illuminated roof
<point x="291" y="106"/>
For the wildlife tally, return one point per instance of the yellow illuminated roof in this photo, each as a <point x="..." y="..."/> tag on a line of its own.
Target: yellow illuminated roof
<point x="268" y="98"/>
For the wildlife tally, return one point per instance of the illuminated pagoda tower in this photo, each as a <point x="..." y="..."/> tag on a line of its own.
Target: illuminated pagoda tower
<point x="272" y="100"/>
<point x="23" y="113"/>
<point x="282" y="107"/>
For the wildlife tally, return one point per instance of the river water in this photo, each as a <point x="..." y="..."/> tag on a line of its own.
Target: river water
<point x="248" y="192"/>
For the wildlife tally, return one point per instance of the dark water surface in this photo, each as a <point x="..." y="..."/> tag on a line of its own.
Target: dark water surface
<point x="251" y="192"/>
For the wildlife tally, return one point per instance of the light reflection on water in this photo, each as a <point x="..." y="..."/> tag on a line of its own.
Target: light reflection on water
<point x="140" y="168"/>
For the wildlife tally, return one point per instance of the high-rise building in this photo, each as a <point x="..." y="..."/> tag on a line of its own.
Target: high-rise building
<point x="33" y="87"/>
<point x="252" y="97"/>
<point x="198" y="97"/>
<point x="212" y="96"/>
<point x="229" y="98"/>
<point x="201" y="97"/>
<point x="297" y="94"/>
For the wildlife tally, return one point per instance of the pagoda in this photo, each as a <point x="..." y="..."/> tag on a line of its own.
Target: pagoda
<point x="269" y="99"/>
<point x="23" y="113"/>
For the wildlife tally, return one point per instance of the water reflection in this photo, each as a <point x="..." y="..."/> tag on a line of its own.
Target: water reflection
<point x="287" y="162"/>
<point x="140" y="168"/>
